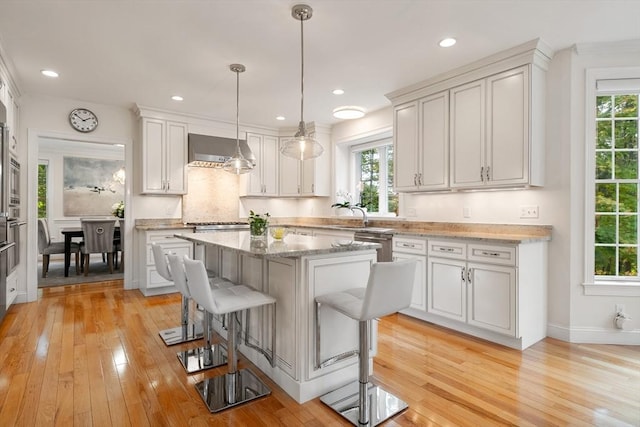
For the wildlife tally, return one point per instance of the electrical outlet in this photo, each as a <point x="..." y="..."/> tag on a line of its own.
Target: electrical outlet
<point x="528" y="212"/>
<point x="466" y="212"/>
<point x="619" y="308"/>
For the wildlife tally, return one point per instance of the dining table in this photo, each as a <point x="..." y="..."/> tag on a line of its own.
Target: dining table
<point x="69" y="233"/>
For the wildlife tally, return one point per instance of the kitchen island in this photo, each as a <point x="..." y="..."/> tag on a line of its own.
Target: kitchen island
<point x="294" y="271"/>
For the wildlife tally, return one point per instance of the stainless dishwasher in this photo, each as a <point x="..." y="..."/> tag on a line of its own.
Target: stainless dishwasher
<point x="385" y="253"/>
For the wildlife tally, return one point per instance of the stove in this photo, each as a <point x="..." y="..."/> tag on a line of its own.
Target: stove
<point x="203" y="227"/>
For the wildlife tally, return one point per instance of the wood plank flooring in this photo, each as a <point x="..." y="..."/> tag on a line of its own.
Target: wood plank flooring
<point x="90" y="355"/>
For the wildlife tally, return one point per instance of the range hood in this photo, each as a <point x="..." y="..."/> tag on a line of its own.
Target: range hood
<point x="207" y="151"/>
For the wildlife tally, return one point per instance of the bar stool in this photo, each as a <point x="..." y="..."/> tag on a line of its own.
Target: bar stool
<point x="388" y="290"/>
<point x="237" y="386"/>
<point x="210" y="355"/>
<point x="186" y="331"/>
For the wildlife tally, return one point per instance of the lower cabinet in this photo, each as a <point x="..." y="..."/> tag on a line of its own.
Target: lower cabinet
<point x="492" y="291"/>
<point x="12" y="288"/>
<point x="404" y="248"/>
<point x="151" y="283"/>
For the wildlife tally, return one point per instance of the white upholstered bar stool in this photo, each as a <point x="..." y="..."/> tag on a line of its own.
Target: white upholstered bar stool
<point x="388" y="290"/>
<point x="211" y="355"/>
<point x="237" y="386"/>
<point x="187" y="331"/>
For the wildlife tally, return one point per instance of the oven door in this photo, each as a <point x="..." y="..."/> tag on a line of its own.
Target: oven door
<point x="13" y="253"/>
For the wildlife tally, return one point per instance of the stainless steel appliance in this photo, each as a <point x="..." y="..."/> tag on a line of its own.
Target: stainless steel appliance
<point x="382" y="236"/>
<point x="4" y="245"/>
<point x="13" y="186"/>
<point x="206" y="227"/>
<point x="13" y="236"/>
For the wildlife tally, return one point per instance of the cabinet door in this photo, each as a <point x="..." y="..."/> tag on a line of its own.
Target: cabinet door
<point x="446" y="288"/>
<point x="153" y="132"/>
<point x="270" y="156"/>
<point x="467" y="134"/>
<point x="419" y="297"/>
<point x="254" y="178"/>
<point x="405" y="146"/>
<point x="507" y="149"/>
<point x="492" y="298"/>
<point x="176" y="158"/>
<point x="434" y="135"/>
<point x="289" y="174"/>
<point x="308" y="177"/>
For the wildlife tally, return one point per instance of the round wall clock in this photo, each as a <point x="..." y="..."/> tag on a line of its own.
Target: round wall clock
<point x="83" y="120"/>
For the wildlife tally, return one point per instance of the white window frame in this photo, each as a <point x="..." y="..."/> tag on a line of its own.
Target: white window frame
<point x="356" y="168"/>
<point x="618" y="81"/>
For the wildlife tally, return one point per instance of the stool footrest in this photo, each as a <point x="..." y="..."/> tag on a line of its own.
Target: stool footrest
<point x="202" y="358"/>
<point x="228" y="390"/>
<point x="181" y="334"/>
<point x="382" y="404"/>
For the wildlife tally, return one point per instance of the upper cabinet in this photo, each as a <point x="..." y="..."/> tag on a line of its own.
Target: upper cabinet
<point x="164" y="157"/>
<point x="481" y="126"/>
<point x="263" y="179"/>
<point x="421" y="144"/>
<point x="10" y="101"/>
<point x="305" y="178"/>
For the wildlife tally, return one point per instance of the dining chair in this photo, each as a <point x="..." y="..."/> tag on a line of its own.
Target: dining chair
<point x="118" y="243"/>
<point x="46" y="247"/>
<point x="98" y="238"/>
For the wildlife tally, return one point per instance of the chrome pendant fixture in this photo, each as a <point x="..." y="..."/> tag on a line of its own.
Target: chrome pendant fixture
<point x="238" y="164"/>
<point x="303" y="146"/>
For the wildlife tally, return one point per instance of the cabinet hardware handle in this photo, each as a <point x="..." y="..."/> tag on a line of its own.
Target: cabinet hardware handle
<point x="482" y="173"/>
<point x="313" y="188"/>
<point x="12" y="290"/>
<point x="469" y="275"/>
<point x="298" y="189"/>
<point x="407" y="245"/>
<point x="415" y="179"/>
<point x="442" y="249"/>
<point x="490" y="253"/>
<point x="420" y="178"/>
<point x="462" y="274"/>
<point x="487" y="172"/>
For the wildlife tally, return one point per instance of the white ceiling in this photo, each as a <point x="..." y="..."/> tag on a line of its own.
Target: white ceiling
<point x="121" y="52"/>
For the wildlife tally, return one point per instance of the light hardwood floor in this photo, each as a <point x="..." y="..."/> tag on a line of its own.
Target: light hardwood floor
<point x="90" y="354"/>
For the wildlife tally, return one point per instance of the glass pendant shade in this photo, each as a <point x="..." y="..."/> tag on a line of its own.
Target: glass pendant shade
<point x="302" y="146"/>
<point x="238" y="164"/>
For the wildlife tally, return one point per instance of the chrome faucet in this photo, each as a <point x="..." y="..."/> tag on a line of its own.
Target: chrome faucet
<point x="365" y="220"/>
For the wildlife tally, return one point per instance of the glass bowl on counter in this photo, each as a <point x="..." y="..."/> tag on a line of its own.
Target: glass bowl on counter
<point x="278" y="233"/>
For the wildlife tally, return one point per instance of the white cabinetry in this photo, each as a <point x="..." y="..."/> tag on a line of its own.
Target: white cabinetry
<point x="304" y="178"/>
<point x="151" y="283"/>
<point x="10" y="102"/>
<point x="263" y="179"/>
<point x="421" y="141"/>
<point x="12" y="288"/>
<point x="408" y="248"/>
<point x="164" y="157"/>
<point x="490" y="139"/>
<point x="479" y="126"/>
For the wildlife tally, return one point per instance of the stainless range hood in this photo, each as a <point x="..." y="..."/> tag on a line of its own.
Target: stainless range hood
<point x="212" y="151"/>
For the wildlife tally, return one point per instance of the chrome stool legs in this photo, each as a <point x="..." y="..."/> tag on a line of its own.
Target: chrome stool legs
<point x="363" y="403"/>
<point x="236" y="386"/>
<point x="207" y="357"/>
<point x="185" y="332"/>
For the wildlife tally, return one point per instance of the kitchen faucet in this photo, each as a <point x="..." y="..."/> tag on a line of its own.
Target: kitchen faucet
<point x="365" y="220"/>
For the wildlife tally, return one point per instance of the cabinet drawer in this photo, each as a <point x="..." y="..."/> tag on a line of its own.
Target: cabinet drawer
<point x="407" y="245"/>
<point x="181" y="248"/>
<point x="504" y="255"/>
<point x="447" y="249"/>
<point x="166" y="236"/>
<point x="154" y="280"/>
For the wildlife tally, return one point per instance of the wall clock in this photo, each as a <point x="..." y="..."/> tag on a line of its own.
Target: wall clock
<point x="83" y="120"/>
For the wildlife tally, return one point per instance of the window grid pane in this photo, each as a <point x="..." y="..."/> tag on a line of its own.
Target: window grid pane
<point x="616" y="189"/>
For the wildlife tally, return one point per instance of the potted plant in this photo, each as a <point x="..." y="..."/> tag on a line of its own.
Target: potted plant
<point x="343" y="208"/>
<point x="258" y="224"/>
<point x="118" y="209"/>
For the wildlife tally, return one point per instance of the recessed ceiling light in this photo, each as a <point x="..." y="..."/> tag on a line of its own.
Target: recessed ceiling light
<point x="448" y="42"/>
<point x="49" y="73"/>
<point x="280" y="118"/>
<point x="177" y="98"/>
<point x="338" y="91"/>
<point x="348" y="112"/>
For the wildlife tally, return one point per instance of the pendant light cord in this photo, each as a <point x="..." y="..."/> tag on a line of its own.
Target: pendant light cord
<point x="302" y="68"/>
<point x="238" y="113"/>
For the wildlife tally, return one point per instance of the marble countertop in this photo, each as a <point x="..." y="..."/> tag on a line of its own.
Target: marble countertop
<point x="292" y="246"/>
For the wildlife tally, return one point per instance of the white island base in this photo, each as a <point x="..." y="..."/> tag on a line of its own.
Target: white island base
<point x="294" y="272"/>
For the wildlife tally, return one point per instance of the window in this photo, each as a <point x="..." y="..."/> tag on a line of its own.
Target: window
<point x="43" y="169"/>
<point x="612" y="182"/>
<point x="374" y="177"/>
<point x="616" y="186"/>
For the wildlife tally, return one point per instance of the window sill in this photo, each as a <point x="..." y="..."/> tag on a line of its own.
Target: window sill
<point x="612" y="289"/>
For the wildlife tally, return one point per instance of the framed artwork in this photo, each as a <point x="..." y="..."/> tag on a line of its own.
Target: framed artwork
<point x="91" y="186"/>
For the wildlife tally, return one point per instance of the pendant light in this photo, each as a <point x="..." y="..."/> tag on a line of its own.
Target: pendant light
<point x="302" y="146"/>
<point x="237" y="164"/>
